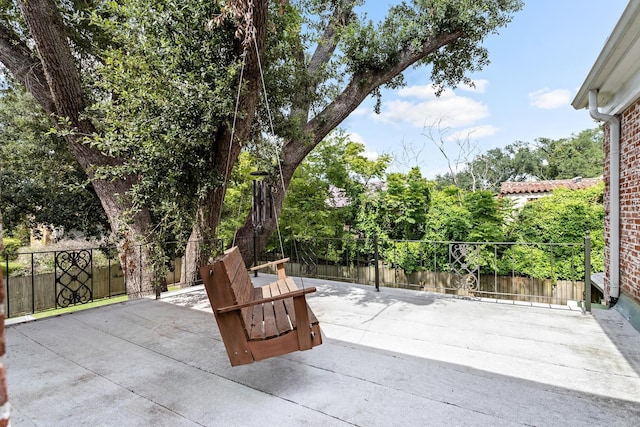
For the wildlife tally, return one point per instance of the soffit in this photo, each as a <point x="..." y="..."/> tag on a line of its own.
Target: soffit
<point x="616" y="72"/>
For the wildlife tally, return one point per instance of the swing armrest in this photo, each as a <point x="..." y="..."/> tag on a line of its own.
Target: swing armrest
<point x="269" y="264"/>
<point x="292" y="294"/>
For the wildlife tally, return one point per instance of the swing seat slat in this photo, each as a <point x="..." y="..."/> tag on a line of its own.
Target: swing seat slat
<point x="258" y="323"/>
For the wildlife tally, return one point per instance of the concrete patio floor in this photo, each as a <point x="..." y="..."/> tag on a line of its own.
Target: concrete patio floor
<point x="396" y="357"/>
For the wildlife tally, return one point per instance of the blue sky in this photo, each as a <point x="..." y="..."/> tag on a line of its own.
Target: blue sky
<point x="538" y="63"/>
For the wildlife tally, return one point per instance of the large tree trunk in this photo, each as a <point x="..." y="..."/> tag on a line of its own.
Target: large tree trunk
<point x="191" y="260"/>
<point x="55" y="82"/>
<point x="226" y="150"/>
<point x="132" y="235"/>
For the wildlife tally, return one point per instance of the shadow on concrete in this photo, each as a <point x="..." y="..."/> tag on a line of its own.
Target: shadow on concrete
<point x="360" y="295"/>
<point x="620" y="334"/>
<point x="357" y="294"/>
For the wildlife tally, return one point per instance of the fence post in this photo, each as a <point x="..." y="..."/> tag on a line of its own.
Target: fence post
<point x="55" y="274"/>
<point x="8" y="294"/>
<point x="377" y="263"/>
<point x="587" y="272"/>
<point x="255" y="251"/>
<point x="33" y="288"/>
<point x="109" y="274"/>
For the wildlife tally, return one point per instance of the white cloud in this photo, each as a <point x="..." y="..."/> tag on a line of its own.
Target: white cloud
<point x="449" y="109"/>
<point x="356" y="137"/>
<point x="370" y="155"/>
<point x="549" y="99"/>
<point x="480" y="86"/>
<point x="474" y="132"/>
<point x="420" y="91"/>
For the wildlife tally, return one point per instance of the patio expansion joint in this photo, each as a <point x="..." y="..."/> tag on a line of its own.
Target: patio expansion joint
<point x="409" y="392"/>
<point x="493" y="353"/>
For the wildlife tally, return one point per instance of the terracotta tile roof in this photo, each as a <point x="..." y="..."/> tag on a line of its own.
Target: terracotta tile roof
<point x="547" y="186"/>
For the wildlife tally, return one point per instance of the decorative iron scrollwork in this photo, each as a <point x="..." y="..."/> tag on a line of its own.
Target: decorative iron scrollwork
<point x="73" y="277"/>
<point x="306" y="257"/>
<point x="464" y="262"/>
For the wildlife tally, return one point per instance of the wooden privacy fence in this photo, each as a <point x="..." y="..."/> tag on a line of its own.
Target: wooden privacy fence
<point x="545" y="291"/>
<point x="39" y="292"/>
<point x="454" y="265"/>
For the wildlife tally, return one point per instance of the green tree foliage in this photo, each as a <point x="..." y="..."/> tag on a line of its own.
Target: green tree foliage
<point x="564" y="216"/>
<point x="41" y="181"/>
<point x="153" y="86"/>
<point x="329" y="189"/>
<point x="454" y="216"/>
<point x="404" y="205"/>
<point x="171" y="81"/>
<point x="9" y="248"/>
<point x="448" y="219"/>
<point x="543" y="240"/>
<point x="480" y="217"/>
<point x="408" y="210"/>
<point x="487" y="217"/>
<point x="238" y="199"/>
<point x="416" y="222"/>
<point x="546" y="159"/>
<point x="345" y="57"/>
<point x="580" y="155"/>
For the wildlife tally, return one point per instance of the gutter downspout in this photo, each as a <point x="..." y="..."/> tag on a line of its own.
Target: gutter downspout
<point x="614" y="195"/>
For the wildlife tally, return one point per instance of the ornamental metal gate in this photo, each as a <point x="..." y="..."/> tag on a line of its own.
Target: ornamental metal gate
<point x="464" y="262"/>
<point x="74" y="277"/>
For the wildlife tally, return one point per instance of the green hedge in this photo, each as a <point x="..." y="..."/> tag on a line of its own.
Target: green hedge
<point x="11" y="246"/>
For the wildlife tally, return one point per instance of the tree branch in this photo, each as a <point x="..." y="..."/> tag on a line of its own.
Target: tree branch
<point x="328" y="42"/>
<point x="360" y="86"/>
<point x="325" y="48"/>
<point x="48" y="32"/>
<point x="20" y="61"/>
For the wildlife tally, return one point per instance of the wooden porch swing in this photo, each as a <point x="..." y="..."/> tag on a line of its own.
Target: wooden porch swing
<point x="263" y="322"/>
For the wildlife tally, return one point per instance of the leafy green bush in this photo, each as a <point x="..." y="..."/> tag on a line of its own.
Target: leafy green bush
<point x="12" y="266"/>
<point x="11" y="246"/>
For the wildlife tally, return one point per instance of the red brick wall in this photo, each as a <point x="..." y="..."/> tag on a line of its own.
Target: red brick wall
<point x="629" y="201"/>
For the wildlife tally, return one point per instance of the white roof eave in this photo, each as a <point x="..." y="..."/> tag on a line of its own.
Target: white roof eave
<point x="616" y="72"/>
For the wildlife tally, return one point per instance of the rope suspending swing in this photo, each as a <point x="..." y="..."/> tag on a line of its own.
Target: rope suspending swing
<point x="268" y="321"/>
<point x="260" y="192"/>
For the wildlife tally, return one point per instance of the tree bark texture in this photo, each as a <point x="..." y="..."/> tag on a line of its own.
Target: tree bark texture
<point x="52" y="77"/>
<point x="226" y="150"/>
<point x="191" y="260"/>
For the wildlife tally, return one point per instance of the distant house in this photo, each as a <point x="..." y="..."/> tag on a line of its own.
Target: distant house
<point x="338" y="197"/>
<point x="44" y="235"/>
<point x="522" y="192"/>
<point x="611" y="91"/>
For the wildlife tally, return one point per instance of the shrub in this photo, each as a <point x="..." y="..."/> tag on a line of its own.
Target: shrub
<point x="11" y="247"/>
